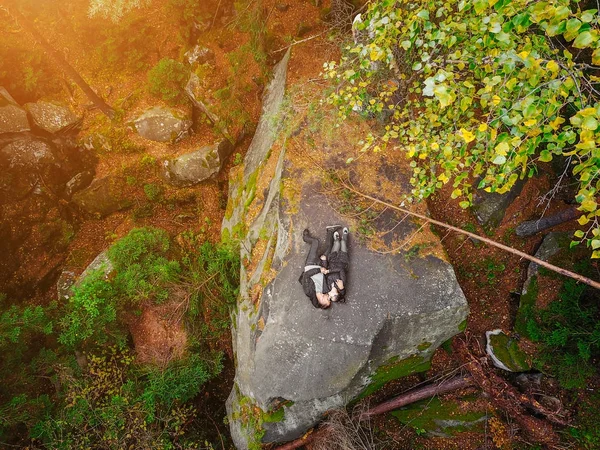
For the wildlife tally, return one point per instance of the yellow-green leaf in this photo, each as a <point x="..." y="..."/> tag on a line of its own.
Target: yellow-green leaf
<point x="584" y="40"/>
<point x="466" y="135"/>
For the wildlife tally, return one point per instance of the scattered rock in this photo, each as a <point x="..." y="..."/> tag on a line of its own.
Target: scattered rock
<point x="505" y="352"/>
<point x="199" y="55"/>
<point x="78" y="182"/>
<point x="162" y="124"/>
<point x="101" y="262"/>
<point x="192" y="168"/>
<point x="13" y="118"/>
<point x="282" y="7"/>
<point x="64" y="284"/>
<point x="97" y="142"/>
<point x="490" y="207"/>
<point x="52" y="117"/>
<point x="36" y="225"/>
<point x="103" y="197"/>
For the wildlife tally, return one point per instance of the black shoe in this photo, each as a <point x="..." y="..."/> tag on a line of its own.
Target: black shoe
<point x="305" y="235"/>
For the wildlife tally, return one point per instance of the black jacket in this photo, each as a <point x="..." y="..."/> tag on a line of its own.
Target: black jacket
<point x="308" y="286"/>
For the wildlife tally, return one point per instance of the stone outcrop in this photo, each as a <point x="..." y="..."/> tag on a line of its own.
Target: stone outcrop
<point x="36" y="222"/>
<point x="52" y="117"/>
<point x="195" y="167"/>
<point x="103" y="197"/>
<point x="162" y="124"/>
<point x="295" y="362"/>
<point x="13" y="118"/>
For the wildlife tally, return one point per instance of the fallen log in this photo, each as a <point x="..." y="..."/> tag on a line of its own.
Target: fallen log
<point x="453" y="384"/>
<point x="532" y="227"/>
<point x="414" y="395"/>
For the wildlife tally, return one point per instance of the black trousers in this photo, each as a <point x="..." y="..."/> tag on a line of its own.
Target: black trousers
<point x="312" y="259"/>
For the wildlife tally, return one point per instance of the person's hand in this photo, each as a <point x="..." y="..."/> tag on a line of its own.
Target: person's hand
<point x="339" y="284"/>
<point x="324" y="270"/>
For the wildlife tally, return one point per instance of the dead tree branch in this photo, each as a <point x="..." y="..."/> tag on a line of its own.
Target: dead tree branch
<point x="532" y="227"/>
<point x="506" y="248"/>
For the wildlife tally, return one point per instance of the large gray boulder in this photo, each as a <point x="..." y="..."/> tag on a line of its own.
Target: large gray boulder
<point x="162" y="124"/>
<point x="192" y="168"/>
<point x="295" y="362"/>
<point x="13" y="118"/>
<point x="52" y="117"/>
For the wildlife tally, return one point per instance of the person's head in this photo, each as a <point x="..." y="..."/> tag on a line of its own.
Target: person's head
<point x="323" y="300"/>
<point x="334" y="294"/>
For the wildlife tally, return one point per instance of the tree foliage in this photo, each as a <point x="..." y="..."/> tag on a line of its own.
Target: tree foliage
<point x="480" y="90"/>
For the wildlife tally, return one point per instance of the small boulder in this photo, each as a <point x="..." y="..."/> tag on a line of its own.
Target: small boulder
<point x="162" y="124"/>
<point x="96" y="142"/>
<point x="65" y="282"/>
<point x="52" y="117"/>
<point x="78" y="182"/>
<point x="28" y="153"/>
<point x="13" y="118"/>
<point x="101" y="262"/>
<point x="505" y="352"/>
<point x="103" y="197"/>
<point x="490" y="207"/>
<point x="199" y="55"/>
<point x="192" y="168"/>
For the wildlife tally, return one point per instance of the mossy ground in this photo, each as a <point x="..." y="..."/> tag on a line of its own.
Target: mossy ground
<point x="442" y="417"/>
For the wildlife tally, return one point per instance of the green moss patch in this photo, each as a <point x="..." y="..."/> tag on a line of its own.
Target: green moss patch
<point x="395" y="369"/>
<point x="424" y="346"/>
<point x="508" y="352"/>
<point x="442" y="418"/>
<point x="526" y="309"/>
<point x="462" y="326"/>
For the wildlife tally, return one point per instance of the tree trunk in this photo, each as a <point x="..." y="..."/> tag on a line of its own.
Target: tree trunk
<point x="60" y="61"/>
<point x="459" y="382"/>
<point x="532" y="227"/>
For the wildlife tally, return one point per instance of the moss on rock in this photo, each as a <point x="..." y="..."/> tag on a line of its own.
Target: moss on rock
<point x="395" y="369"/>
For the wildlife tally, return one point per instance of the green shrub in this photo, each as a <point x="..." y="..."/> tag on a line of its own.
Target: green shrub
<point x="116" y="405"/>
<point x="213" y="278"/>
<point x="18" y="323"/>
<point x="126" y="45"/>
<point x="179" y="382"/>
<point x="187" y="13"/>
<point x="153" y="192"/>
<point x="167" y="80"/>
<point x="143" y="270"/>
<point x="569" y="333"/>
<point x="90" y="313"/>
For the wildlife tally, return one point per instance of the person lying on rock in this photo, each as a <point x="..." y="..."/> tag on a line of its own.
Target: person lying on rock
<point x="336" y="261"/>
<point x="312" y="278"/>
